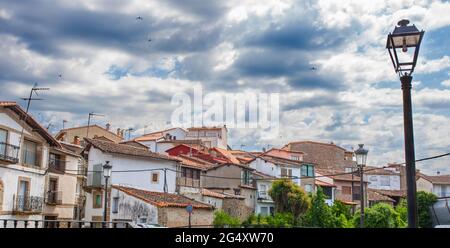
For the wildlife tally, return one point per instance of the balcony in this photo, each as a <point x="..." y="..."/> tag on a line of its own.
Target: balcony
<point x="95" y="179"/>
<point x="9" y="153"/>
<point x="57" y="166"/>
<point x="53" y="198"/>
<point x="264" y="195"/>
<point x="81" y="170"/>
<point x="27" y="204"/>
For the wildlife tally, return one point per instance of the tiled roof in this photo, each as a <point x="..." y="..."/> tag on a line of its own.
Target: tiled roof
<point x="228" y="155"/>
<point x="280" y="161"/>
<point x="371" y="170"/>
<point x="90" y="126"/>
<point x="161" y="199"/>
<point x="231" y="164"/>
<point x="392" y="193"/>
<point x="194" y="162"/>
<point x="322" y="183"/>
<point x="263" y="175"/>
<point x="207" y="192"/>
<point x="375" y="196"/>
<point x="150" y="137"/>
<point x="31" y="122"/>
<point x="442" y="179"/>
<point x="110" y="147"/>
<point x="339" y="175"/>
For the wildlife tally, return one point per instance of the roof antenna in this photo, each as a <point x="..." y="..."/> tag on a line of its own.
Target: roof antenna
<point x="91" y="114"/>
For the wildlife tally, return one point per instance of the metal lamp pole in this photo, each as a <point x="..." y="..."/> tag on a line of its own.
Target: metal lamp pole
<point x="106" y="173"/>
<point x="361" y="158"/>
<point x="403" y="37"/>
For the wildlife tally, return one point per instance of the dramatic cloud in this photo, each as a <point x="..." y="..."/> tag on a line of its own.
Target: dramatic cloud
<point x="327" y="59"/>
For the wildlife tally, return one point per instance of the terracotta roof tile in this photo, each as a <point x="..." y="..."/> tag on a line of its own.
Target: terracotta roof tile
<point x="161" y="199"/>
<point x="376" y="196"/>
<point x="110" y="147"/>
<point x="442" y="179"/>
<point x="194" y="162"/>
<point x="207" y="192"/>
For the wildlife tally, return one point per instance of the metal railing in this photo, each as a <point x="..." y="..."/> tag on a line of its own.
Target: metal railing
<point x="14" y="223"/>
<point x="9" y="152"/>
<point x="95" y="179"/>
<point x="263" y="195"/>
<point x="53" y="197"/>
<point x="57" y="165"/>
<point x="27" y="204"/>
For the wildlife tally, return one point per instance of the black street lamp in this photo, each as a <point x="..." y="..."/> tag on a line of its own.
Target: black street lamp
<point x="107" y="174"/>
<point x="361" y="158"/>
<point x="405" y="37"/>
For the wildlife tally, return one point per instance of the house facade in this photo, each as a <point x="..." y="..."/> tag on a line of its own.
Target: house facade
<point x="75" y="135"/>
<point x="131" y="166"/>
<point x="24" y="158"/>
<point x="210" y="136"/>
<point x="438" y="185"/>
<point x="142" y="206"/>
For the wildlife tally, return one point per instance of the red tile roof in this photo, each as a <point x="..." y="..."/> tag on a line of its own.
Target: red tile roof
<point x="207" y="192"/>
<point x="194" y="162"/>
<point x="442" y="179"/>
<point x="322" y="183"/>
<point x="391" y="193"/>
<point x="161" y="199"/>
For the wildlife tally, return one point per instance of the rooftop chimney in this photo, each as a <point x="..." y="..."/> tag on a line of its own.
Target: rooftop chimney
<point x="118" y="132"/>
<point x="108" y="126"/>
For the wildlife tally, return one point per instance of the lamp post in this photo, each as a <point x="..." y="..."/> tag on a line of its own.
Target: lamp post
<point x="405" y="37"/>
<point x="107" y="174"/>
<point x="361" y="158"/>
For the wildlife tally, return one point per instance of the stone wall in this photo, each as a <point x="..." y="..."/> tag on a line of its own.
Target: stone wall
<point x="179" y="217"/>
<point x="237" y="208"/>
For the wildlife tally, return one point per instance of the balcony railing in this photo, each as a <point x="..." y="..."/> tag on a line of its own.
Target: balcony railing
<point x="53" y="198"/>
<point x="57" y="165"/>
<point x="81" y="170"/>
<point x="14" y="223"/>
<point x="188" y="182"/>
<point x="95" y="179"/>
<point x="263" y="195"/>
<point x="28" y="204"/>
<point x="9" y="152"/>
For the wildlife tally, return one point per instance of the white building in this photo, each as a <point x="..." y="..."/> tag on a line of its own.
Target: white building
<point x="382" y="178"/>
<point x="438" y="185"/>
<point x="132" y="166"/>
<point x="151" y="140"/>
<point x="24" y="154"/>
<point x="278" y="167"/>
<point x="264" y="203"/>
<point x="210" y="136"/>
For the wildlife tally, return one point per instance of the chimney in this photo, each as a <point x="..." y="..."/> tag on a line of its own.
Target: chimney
<point x="76" y="140"/>
<point x="108" y="126"/>
<point x="121" y="133"/>
<point x="118" y="132"/>
<point x="438" y="173"/>
<point x="264" y="149"/>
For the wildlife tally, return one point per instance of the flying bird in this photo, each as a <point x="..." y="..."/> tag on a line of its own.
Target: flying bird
<point x="313" y="68"/>
<point x="60" y="75"/>
<point x="149" y="40"/>
<point x="139" y="18"/>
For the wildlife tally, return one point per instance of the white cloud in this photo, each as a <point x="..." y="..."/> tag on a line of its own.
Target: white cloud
<point x="446" y="83"/>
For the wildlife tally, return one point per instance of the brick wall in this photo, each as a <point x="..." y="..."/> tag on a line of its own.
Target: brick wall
<point x="176" y="217"/>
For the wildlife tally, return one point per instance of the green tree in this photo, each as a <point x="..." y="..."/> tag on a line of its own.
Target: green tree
<point x="339" y="208"/>
<point x="380" y="215"/>
<point x="424" y="202"/>
<point x="222" y="219"/>
<point x="289" y="198"/>
<point x="402" y="209"/>
<point x="320" y="214"/>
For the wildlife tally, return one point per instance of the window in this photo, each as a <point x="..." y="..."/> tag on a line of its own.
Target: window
<point x="346" y="190"/>
<point x="307" y="170"/>
<point x="295" y="157"/>
<point x="308" y="188"/>
<point x="155" y="177"/>
<point x="328" y="192"/>
<point x="97" y="199"/>
<point x="115" y="205"/>
<point x="246" y="177"/>
<point x="237" y="191"/>
<point x="30" y="153"/>
<point x="196" y="174"/>
<point x="348" y="169"/>
<point x="285" y="172"/>
<point x="264" y="211"/>
<point x="3" y="140"/>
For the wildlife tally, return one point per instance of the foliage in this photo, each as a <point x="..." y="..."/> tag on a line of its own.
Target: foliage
<point x="289" y="198"/>
<point x="277" y="220"/>
<point x="222" y="219"/>
<point x="339" y="208"/>
<point x="380" y="215"/>
<point x="402" y="209"/>
<point x="320" y="214"/>
<point x="424" y="202"/>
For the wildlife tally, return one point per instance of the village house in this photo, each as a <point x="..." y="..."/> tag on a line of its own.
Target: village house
<point x="438" y="185"/>
<point x="264" y="204"/>
<point x="210" y="136"/>
<point x="323" y="155"/>
<point x="152" y="140"/>
<point x="30" y="177"/>
<point x="142" y="206"/>
<point x="131" y="166"/>
<point x="328" y="187"/>
<point x="75" y="135"/>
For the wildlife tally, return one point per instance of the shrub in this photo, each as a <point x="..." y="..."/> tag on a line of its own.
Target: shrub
<point x="222" y="219"/>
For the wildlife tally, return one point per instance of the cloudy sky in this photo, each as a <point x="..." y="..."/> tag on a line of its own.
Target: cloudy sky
<point x="108" y="65"/>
